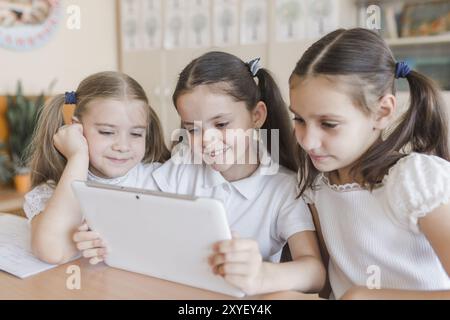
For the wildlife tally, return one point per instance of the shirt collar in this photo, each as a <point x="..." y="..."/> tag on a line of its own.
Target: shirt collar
<point x="112" y="181"/>
<point x="248" y="187"/>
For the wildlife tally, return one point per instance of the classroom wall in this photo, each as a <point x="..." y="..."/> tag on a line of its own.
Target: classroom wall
<point x="158" y="70"/>
<point x="69" y="56"/>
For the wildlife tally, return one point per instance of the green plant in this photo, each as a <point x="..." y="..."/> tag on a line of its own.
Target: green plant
<point x="6" y="167"/>
<point x="22" y="113"/>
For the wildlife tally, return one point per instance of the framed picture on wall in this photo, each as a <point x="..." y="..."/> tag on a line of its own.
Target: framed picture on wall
<point x="425" y="19"/>
<point x="28" y="24"/>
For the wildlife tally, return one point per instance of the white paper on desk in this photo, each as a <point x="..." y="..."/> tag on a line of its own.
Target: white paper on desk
<point x="15" y="251"/>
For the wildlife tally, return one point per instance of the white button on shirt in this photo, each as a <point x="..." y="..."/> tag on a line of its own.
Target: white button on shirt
<point x="261" y="207"/>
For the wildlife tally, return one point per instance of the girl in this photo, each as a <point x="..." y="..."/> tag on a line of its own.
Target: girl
<point x="220" y="105"/>
<point x="381" y="199"/>
<point x="112" y="117"/>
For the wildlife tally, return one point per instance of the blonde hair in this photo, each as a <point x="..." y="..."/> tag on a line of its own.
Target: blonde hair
<point x="44" y="159"/>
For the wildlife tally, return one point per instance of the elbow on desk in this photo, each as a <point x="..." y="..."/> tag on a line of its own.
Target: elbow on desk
<point x="46" y="254"/>
<point x="49" y="251"/>
<point x="48" y="247"/>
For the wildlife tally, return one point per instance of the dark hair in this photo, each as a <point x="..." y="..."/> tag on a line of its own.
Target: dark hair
<point x="234" y="78"/>
<point x="47" y="163"/>
<point x="361" y="60"/>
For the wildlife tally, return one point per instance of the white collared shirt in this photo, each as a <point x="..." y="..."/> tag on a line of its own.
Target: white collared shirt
<point x="261" y="207"/>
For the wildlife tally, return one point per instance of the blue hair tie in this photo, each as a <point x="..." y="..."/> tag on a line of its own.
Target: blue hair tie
<point x="402" y="69"/>
<point x="70" y="97"/>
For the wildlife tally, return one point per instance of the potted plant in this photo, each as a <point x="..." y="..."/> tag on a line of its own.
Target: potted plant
<point x="6" y="167"/>
<point x="21" y="114"/>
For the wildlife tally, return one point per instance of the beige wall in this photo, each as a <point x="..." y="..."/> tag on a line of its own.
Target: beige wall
<point x="69" y="56"/>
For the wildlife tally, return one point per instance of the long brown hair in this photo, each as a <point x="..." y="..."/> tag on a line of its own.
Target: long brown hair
<point x="47" y="163"/>
<point x="362" y="59"/>
<point x="224" y="68"/>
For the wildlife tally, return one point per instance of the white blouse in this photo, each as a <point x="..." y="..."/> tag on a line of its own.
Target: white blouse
<point x="262" y="207"/>
<point x="375" y="235"/>
<point x="138" y="177"/>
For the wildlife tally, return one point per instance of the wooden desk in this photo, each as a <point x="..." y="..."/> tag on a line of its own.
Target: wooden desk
<point x="11" y="201"/>
<point x="103" y="282"/>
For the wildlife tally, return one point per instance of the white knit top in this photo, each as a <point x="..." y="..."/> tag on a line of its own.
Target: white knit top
<point x="367" y="232"/>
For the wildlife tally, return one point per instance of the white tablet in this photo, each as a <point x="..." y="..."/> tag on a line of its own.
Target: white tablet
<point x="162" y="235"/>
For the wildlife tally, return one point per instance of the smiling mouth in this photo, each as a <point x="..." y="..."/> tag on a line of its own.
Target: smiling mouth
<point x="116" y="160"/>
<point x="216" y="152"/>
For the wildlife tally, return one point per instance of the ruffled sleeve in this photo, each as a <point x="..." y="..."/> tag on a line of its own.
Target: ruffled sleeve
<point x="416" y="185"/>
<point x="36" y="199"/>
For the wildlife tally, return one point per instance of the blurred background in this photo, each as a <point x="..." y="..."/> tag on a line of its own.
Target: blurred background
<point x="48" y="46"/>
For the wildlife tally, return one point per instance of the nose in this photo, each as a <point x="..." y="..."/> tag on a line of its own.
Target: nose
<point x="121" y="143"/>
<point x="308" y="138"/>
<point x="210" y="137"/>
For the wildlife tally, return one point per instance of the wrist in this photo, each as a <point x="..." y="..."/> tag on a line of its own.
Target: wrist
<point x="80" y="161"/>
<point x="262" y="279"/>
<point x="80" y="157"/>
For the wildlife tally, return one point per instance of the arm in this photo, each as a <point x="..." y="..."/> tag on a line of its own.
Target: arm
<point x="436" y="227"/>
<point x="304" y="273"/>
<point x="240" y="263"/>
<point x="52" y="229"/>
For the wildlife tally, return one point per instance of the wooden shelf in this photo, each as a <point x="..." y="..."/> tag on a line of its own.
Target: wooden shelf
<point x="410" y="41"/>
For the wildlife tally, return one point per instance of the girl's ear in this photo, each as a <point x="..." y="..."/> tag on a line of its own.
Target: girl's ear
<point x="385" y="111"/>
<point x="259" y="114"/>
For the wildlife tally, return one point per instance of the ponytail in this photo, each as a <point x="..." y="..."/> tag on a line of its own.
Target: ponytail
<point x="45" y="161"/>
<point x="277" y="118"/>
<point x="425" y="121"/>
<point x="423" y="129"/>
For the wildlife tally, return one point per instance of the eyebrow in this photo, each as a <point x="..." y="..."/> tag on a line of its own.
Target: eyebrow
<point x="326" y="115"/>
<point x="220" y="115"/>
<point x="113" y="126"/>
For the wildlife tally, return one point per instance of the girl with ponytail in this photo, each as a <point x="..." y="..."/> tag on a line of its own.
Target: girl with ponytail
<point x="105" y="131"/>
<point x="226" y="107"/>
<point x="378" y="183"/>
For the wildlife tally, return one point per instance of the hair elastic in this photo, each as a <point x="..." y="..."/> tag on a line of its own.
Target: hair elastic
<point x="402" y="69"/>
<point x="254" y="66"/>
<point x="70" y="101"/>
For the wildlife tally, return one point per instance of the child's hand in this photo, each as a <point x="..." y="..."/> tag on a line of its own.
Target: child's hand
<point x="239" y="262"/>
<point x="90" y="244"/>
<point x="69" y="140"/>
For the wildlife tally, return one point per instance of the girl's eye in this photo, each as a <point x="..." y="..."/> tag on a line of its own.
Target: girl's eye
<point x="137" y="134"/>
<point x="329" y="125"/>
<point x="192" y="130"/>
<point x="299" y="120"/>
<point x="221" y="125"/>
<point x="106" y="133"/>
